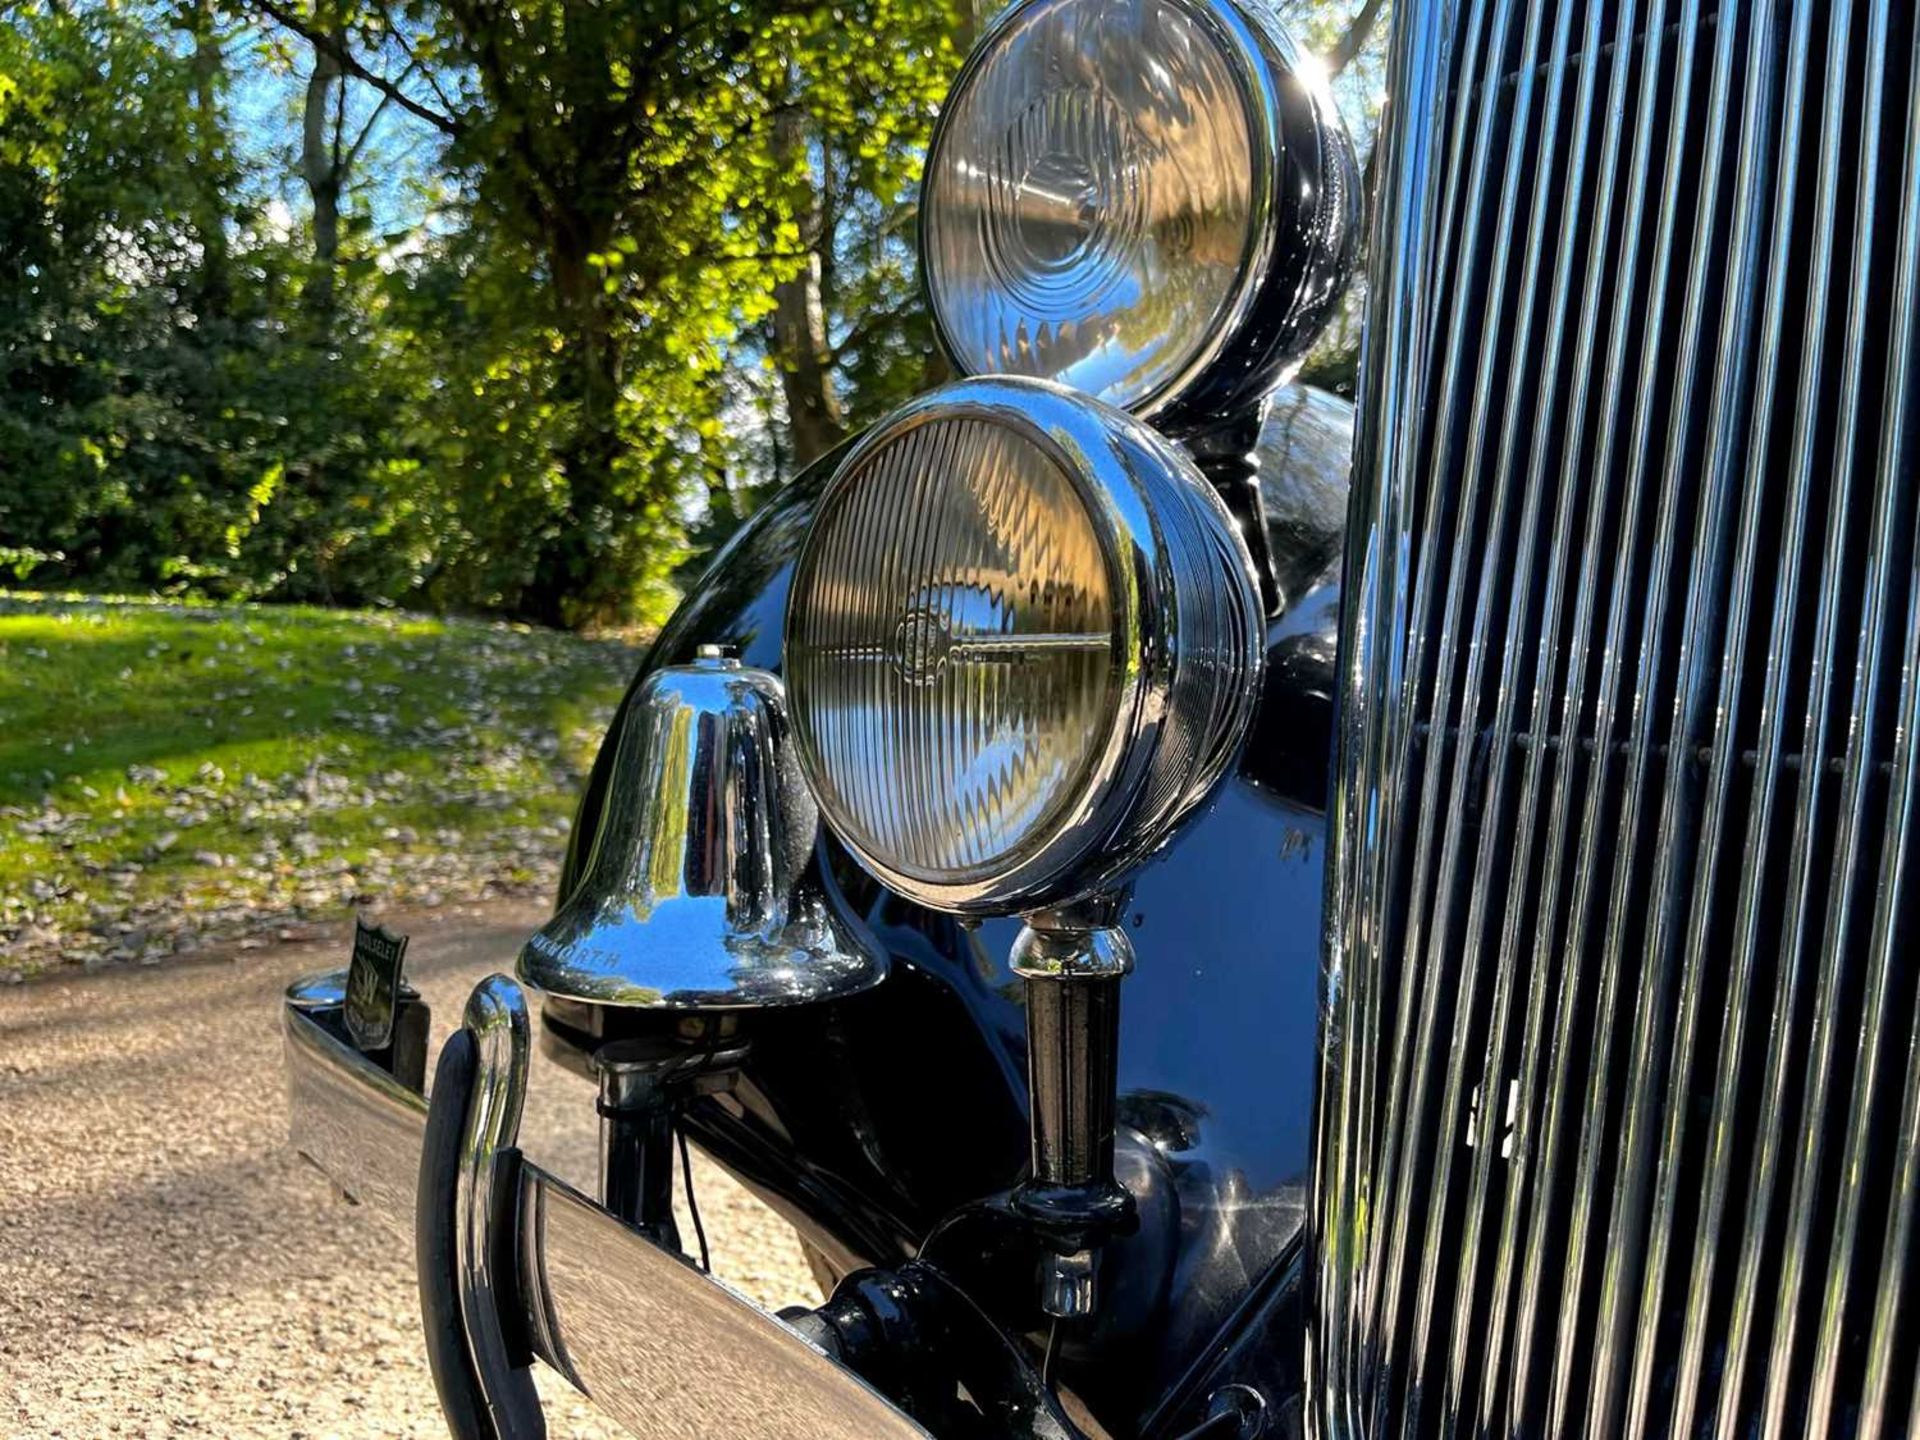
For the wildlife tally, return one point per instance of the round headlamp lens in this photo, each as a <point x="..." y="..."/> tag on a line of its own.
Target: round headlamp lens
<point x="960" y="671"/>
<point x="1089" y="205"/>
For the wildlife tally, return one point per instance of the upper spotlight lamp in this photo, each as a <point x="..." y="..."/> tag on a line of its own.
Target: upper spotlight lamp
<point x="1151" y="201"/>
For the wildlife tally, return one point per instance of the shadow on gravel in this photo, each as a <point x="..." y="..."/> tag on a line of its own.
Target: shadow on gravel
<point x="168" y="1265"/>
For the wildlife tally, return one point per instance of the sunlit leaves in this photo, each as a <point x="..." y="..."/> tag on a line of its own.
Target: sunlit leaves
<point x="522" y="394"/>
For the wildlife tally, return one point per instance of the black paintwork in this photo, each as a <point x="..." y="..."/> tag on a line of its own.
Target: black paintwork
<point x="914" y="1332"/>
<point x="1316" y="245"/>
<point x="871" y="1120"/>
<point x="1260" y="1348"/>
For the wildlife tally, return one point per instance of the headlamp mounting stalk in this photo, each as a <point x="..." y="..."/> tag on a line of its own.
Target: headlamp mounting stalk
<point x="1073" y="961"/>
<point x="1023" y="644"/>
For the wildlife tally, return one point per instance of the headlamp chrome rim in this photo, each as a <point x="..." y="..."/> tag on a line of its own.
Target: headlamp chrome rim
<point x="1272" y="328"/>
<point x="1176" y="563"/>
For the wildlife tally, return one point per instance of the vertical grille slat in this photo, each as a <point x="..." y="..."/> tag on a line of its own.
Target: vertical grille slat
<point x="1680" y="803"/>
<point x="1768" y="751"/>
<point x="1532" y="439"/>
<point x="1448" y="885"/>
<point x="1598" y="876"/>
<point x="1561" y="1095"/>
<point x="1890" y="907"/>
<point x="1881" y="1034"/>
<point x="1709" y="697"/>
<point x="1785" y="1005"/>
<point x="1409" y="661"/>
<point x="1783" y="1366"/>
<point x="1883" y="1343"/>
<point x="1415" y="1023"/>
<point x="1345" y="1124"/>
<point x="1621" y="1068"/>
<point x="1889" y="567"/>
<point x="1548" y="659"/>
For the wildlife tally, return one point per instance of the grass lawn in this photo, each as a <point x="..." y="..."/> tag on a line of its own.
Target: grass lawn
<point x="171" y="775"/>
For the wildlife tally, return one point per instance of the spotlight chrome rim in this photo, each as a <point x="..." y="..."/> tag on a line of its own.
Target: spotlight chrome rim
<point x="1186" y="648"/>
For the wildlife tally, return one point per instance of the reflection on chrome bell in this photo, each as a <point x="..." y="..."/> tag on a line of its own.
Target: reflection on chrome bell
<point x="702" y="890"/>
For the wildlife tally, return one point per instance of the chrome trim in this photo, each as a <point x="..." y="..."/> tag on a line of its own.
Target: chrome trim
<point x="348" y="1116"/>
<point x="702" y="889"/>
<point x="656" y="1344"/>
<point x="1044" y="952"/>
<point x="1835" y="1023"/>
<point x="650" y="1339"/>
<point x="1187" y="635"/>
<point x="496" y="1014"/>
<point x="1373" y="666"/>
<point x="1537" y="472"/>
<point x="1067" y="1285"/>
<point x="1635" y="517"/>
<point x="1772" y="705"/>
<point x="1899" y="1262"/>
<point x="1622" y="1245"/>
<point x="1272" y="318"/>
<point x="1711" y="572"/>
<point x="1615" y="379"/>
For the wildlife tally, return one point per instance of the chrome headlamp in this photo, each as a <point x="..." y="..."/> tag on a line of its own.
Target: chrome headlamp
<point x="1152" y="201"/>
<point x="1023" y="640"/>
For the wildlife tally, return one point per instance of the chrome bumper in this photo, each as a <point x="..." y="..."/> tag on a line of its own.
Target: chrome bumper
<point x="659" y="1346"/>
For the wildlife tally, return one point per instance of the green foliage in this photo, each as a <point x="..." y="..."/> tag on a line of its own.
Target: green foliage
<point x="541" y="351"/>
<point x="98" y="255"/>
<point x="629" y="223"/>
<point x="274" y="763"/>
<point x="871" y="107"/>
<point x="511" y="408"/>
<point x="170" y="418"/>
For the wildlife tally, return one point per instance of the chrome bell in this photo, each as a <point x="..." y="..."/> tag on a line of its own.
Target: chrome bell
<point x="702" y="890"/>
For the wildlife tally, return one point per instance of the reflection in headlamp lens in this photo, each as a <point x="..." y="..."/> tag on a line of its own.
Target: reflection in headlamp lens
<point x="951" y="633"/>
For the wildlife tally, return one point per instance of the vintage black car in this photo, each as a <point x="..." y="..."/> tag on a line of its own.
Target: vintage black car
<point x="1201" y="951"/>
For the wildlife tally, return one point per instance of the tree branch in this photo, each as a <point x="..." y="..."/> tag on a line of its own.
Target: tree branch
<point x="366" y="133"/>
<point x="340" y="130"/>
<point x="510" y="110"/>
<point x="321" y="40"/>
<point x="873" y="322"/>
<point x="1355" y="40"/>
<point x="413" y="60"/>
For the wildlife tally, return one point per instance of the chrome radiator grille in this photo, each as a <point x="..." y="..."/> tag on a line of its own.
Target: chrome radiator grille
<point x="1619" y="1123"/>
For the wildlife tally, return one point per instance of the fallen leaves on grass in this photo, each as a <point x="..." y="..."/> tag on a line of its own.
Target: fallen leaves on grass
<point x="349" y="759"/>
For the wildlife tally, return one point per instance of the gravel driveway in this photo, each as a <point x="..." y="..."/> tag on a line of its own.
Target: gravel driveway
<point x="168" y="1266"/>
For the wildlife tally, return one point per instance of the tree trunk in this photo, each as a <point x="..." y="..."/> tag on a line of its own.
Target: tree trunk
<point x="320" y="168"/>
<point x="814" y="420"/>
<point x="209" y="219"/>
<point x="568" y="586"/>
